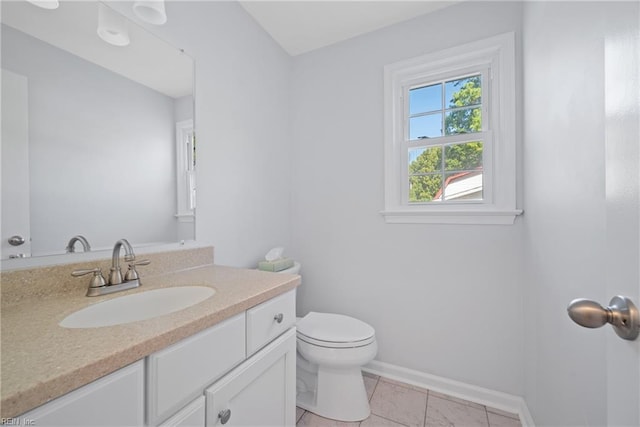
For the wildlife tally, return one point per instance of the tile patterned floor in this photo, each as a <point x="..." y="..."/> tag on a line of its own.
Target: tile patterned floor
<point x="395" y="404"/>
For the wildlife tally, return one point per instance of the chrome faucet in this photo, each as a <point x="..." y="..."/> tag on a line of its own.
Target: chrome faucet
<point x="99" y="286"/>
<point x="86" y="247"/>
<point x="115" y="276"/>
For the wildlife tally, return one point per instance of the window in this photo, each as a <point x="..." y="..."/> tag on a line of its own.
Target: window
<point x="445" y="139"/>
<point x="450" y="136"/>
<point x="186" y="170"/>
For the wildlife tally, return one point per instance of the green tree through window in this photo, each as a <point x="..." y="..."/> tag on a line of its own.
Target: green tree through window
<point x="428" y="173"/>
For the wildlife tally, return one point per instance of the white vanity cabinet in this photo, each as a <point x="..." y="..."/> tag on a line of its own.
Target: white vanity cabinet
<point x="244" y="364"/>
<point x="114" y="400"/>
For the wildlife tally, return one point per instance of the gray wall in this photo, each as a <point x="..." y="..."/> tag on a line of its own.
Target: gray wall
<point x="444" y="299"/>
<point x="102" y="160"/>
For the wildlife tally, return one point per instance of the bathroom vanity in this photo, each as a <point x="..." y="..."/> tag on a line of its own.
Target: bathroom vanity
<point x="229" y="358"/>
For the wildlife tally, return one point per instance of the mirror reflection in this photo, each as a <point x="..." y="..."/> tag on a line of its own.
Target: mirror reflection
<point x="97" y="138"/>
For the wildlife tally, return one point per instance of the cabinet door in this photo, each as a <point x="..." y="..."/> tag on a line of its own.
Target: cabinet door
<point x="261" y="391"/>
<point x="114" y="400"/>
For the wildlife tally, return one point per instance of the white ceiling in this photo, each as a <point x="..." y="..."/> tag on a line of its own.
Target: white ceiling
<point x="72" y="27"/>
<point x="301" y="26"/>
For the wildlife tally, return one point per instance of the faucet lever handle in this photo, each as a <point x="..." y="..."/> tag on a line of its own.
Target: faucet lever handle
<point x="97" y="280"/>
<point x="132" y="274"/>
<point x="82" y="272"/>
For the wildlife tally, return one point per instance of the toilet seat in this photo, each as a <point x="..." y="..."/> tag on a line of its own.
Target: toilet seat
<point x="334" y="331"/>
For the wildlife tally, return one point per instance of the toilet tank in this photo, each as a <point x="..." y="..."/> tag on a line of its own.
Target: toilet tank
<point x="292" y="270"/>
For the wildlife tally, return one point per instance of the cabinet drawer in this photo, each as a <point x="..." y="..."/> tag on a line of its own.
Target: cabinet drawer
<point x="179" y="373"/>
<point x="262" y="320"/>
<point x="114" y="400"/>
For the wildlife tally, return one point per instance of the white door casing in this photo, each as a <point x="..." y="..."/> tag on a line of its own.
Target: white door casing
<point x="15" y="164"/>
<point x="622" y="163"/>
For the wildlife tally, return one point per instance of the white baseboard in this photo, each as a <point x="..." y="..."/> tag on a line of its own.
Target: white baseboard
<point x="472" y="393"/>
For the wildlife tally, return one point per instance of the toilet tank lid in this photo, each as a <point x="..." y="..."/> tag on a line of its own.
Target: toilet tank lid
<point x="334" y="328"/>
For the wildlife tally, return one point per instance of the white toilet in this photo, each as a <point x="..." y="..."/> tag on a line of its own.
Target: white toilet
<point x="332" y="348"/>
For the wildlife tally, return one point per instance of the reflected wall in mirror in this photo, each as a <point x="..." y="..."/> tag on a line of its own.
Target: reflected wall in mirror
<point x="91" y="132"/>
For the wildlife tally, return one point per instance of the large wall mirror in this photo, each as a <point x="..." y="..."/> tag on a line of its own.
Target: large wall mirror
<point x="97" y="139"/>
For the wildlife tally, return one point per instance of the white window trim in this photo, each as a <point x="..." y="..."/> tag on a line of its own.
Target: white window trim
<point x="185" y="214"/>
<point x="499" y="204"/>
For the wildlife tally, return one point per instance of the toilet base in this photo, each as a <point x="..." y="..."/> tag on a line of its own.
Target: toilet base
<point x="335" y="393"/>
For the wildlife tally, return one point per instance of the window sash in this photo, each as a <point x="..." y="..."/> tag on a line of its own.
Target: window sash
<point x="487" y="166"/>
<point x="483" y="136"/>
<point x="483" y="71"/>
<point x="185" y="168"/>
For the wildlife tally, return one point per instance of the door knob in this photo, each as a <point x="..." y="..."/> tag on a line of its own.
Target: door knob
<point x="16" y="240"/>
<point x="622" y="314"/>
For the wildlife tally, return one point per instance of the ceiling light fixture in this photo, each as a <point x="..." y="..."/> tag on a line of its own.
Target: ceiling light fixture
<point x="45" y="4"/>
<point x="150" y="11"/>
<point x="112" y="27"/>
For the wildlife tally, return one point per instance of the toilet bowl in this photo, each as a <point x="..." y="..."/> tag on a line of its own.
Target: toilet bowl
<point x="332" y="348"/>
<point x="331" y="351"/>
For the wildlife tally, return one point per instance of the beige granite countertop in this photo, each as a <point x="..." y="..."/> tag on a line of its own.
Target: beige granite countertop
<point x="42" y="360"/>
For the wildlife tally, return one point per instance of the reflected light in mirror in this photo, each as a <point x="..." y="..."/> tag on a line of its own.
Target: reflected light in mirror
<point x="150" y="11"/>
<point x="112" y="27"/>
<point x="45" y="4"/>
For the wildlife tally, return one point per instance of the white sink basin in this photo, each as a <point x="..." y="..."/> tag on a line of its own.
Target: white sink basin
<point x="141" y="306"/>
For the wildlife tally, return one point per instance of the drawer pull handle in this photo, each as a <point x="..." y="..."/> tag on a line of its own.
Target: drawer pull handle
<point x="278" y="317"/>
<point x="224" y="416"/>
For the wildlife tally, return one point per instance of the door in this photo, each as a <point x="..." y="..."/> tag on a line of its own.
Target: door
<point x="622" y="162"/>
<point x="15" y="165"/>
